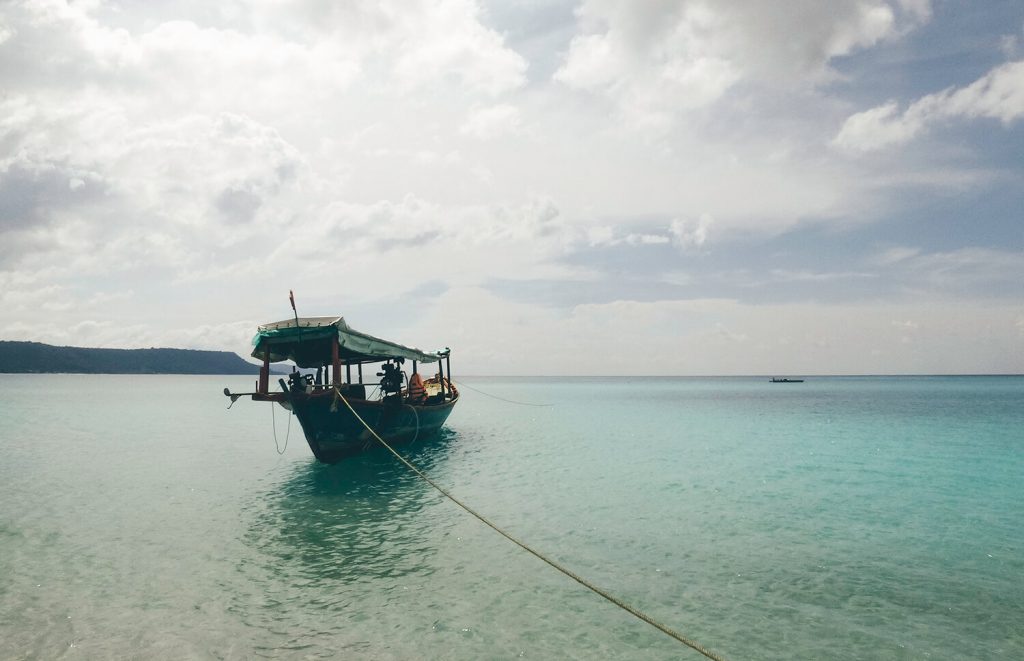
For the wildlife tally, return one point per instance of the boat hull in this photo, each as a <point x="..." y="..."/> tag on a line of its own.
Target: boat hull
<point x="334" y="433"/>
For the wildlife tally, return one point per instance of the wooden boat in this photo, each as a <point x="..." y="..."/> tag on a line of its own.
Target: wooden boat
<point x="401" y="406"/>
<point x="774" y="380"/>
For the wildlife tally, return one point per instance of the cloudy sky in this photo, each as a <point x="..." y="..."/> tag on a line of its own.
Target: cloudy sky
<point x="561" y="187"/>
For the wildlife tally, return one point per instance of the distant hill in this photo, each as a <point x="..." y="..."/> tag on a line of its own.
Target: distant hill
<point x="16" y="357"/>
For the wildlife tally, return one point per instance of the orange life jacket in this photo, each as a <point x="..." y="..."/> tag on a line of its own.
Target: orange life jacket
<point x="417" y="393"/>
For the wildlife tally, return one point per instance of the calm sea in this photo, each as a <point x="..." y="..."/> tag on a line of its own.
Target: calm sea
<point x="841" y="518"/>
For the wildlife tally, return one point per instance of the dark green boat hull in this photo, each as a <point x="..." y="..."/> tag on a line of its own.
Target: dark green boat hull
<point x="334" y="433"/>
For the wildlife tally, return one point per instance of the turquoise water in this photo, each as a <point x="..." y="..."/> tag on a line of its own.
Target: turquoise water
<point x="842" y="518"/>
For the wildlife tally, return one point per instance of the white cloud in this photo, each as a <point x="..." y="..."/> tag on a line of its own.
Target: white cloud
<point x="896" y="254"/>
<point x="787" y="275"/>
<point x="967" y="267"/>
<point x="1009" y="44"/>
<point x="654" y="60"/>
<point x="969" y="272"/>
<point x="878" y="127"/>
<point x="125" y="105"/>
<point x="721" y="336"/>
<point x="591" y="64"/>
<point x="691" y="234"/>
<point x="999" y="94"/>
<point x="167" y="170"/>
<point x="269" y="55"/>
<point x="449" y="39"/>
<point x="869" y="25"/>
<point x="414" y="44"/>
<point x="919" y="9"/>
<point x="491" y="121"/>
<point x="155" y="192"/>
<point x="646" y="239"/>
<point x="605" y="236"/>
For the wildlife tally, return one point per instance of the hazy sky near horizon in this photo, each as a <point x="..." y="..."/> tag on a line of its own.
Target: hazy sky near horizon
<point x="563" y="187"/>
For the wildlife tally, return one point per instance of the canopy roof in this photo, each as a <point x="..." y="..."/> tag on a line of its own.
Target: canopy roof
<point x="308" y="343"/>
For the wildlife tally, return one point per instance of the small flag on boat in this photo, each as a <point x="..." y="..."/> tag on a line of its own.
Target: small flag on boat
<point x="291" y="297"/>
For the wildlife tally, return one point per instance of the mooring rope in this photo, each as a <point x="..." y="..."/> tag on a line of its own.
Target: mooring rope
<point x="463" y="384"/>
<point x="273" y="417"/>
<point x="417" y="414"/>
<point x="582" y="581"/>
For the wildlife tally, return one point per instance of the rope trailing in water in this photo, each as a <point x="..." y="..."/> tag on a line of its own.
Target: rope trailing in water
<point x="582" y="581"/>
<point x="273" y="418"/>
<point x="510" y="401"/>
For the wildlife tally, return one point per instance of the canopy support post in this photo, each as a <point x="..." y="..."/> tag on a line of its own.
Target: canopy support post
<point x="264" y="384"/>
<point x="348" y="373"/>
<point x="335" y="360"/>
<point x="360" y="365"/>
<point x="440" y="378"/>
<point x="448" y="365"/>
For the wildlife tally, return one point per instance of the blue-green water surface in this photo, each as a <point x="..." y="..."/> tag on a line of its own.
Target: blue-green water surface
<point x="841" y="518"/>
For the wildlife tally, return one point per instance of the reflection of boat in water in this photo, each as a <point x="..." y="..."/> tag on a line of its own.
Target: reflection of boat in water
<point x="402" y="407"/>
<point x="350" y="523"/>
<point x="774" y="380"/>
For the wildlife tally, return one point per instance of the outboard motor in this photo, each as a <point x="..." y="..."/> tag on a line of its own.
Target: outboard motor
<point x="391" y="379"/>
<point x="297" y="382"/>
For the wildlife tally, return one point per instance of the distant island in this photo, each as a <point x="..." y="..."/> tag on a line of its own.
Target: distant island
<point x="34" y="357"/>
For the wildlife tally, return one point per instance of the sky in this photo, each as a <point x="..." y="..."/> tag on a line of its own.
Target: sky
<point x="584" y="187"/>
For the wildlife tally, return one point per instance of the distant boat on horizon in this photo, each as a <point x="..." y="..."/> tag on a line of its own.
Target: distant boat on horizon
<point x="775" y="380"/>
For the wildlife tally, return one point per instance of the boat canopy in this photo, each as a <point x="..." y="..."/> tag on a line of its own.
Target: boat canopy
<point x="308" y="341"/>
